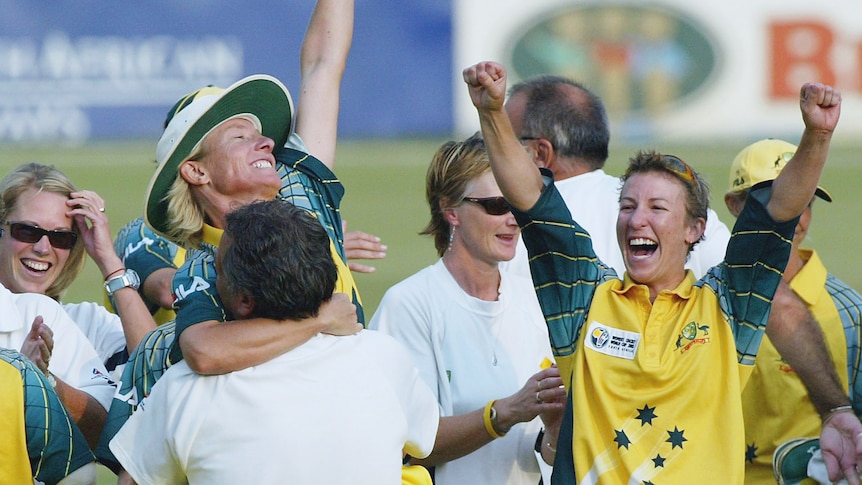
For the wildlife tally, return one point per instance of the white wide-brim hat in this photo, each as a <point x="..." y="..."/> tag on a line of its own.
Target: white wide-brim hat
<point x="260" y="98"/>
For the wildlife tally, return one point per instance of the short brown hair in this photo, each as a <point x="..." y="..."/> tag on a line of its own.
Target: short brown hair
<point x="454" y="166"/>
<point x="696" y="188"/>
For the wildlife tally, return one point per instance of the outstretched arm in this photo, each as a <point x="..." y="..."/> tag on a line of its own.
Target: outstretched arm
<point x="794" y="187"/>
<point x="322" y="62"/>
<point x="517" y="176"/>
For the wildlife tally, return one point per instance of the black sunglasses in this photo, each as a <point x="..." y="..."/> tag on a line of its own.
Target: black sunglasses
<point x="30" y="234"/>
<point x="495" y="206"/>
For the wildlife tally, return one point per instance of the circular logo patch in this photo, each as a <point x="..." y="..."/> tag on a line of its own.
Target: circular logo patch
<point x="638" y="59"/>
<point x="600" y="337"/>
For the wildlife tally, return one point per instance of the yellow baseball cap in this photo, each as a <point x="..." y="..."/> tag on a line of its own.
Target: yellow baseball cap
<point x="761" y="162"/>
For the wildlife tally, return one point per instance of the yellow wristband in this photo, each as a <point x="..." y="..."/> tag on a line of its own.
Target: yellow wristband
<point x="490" y="415"/>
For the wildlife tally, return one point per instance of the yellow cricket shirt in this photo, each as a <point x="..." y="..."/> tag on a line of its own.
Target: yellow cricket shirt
<point x="654" y="388"/>
<point x="776" y="405"/>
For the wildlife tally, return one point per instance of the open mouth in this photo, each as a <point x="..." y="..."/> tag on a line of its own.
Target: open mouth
<point x="642" y="247"/>
<point x="36" y="266"/>
<point x="262" y="164"/>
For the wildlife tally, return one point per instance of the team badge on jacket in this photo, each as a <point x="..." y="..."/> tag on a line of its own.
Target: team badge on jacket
<point x="612" y="341"/>
<point x="692" y="334"/>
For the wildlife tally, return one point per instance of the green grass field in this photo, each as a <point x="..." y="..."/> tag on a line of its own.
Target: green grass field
<point x="384" y="180"/>
<point x="385" y="196"/>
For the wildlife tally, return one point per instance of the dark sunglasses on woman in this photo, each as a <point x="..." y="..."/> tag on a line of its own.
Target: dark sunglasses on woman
<point x="495" y="206"/>
<point x="31" y="234"/>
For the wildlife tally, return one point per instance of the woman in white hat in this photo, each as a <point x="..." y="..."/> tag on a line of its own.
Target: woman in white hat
<point x="221" y="149"/>
<point x="225" y="148"/>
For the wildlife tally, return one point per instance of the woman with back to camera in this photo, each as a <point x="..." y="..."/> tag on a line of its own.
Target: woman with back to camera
<point x="475" y="332"/>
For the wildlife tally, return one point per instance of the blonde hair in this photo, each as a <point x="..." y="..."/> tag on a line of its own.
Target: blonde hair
<point x="43" y="178"/>
<point x="454" y="166"/>
<point x="185" y="218"/>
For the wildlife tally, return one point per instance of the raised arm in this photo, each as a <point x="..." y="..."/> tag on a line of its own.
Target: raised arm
<point x="517" y="176"/>
<point x="322" y="61"/>
<point x="88" y="210"/>
<point x="793" y="189"/>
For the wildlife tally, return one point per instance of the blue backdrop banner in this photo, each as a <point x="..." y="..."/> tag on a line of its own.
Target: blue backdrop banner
<point x="75" y="71"/>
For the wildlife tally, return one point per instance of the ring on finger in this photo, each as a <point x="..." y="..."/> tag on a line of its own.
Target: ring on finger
<point x="538" y="399"/>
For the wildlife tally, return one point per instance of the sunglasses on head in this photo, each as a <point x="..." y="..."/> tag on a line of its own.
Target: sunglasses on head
<point x="677" y="166"/>
<point x="495" y="206"/>
<point x="31" y="234"/>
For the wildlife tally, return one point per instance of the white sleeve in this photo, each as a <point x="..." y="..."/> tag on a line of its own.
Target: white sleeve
<point x="711" y="250"/>
<point x="403" y="316"/>
<point x="420" y="406"/>
<point x="86" y="475"/>
<point x="74" y="360"/>
<point x="295" y="142"/>
<point x="423" y="414"/>
<point x="143" y="445"/>
<point x="102" y="328"/>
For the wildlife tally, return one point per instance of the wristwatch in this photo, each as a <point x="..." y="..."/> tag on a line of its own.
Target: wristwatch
<point x="494" y="422"/>
<point x="129" y="278"/>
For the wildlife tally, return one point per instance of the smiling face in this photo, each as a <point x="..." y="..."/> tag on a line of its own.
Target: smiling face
<point x="33" y="267"/>
<point x="485" y="237"/>
<point x="654" y="230"/>
<point x="238" y="162"/>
